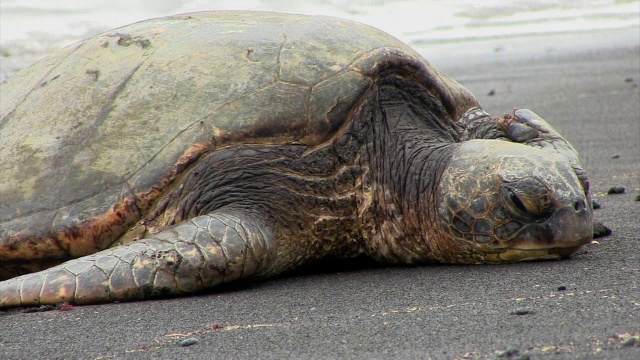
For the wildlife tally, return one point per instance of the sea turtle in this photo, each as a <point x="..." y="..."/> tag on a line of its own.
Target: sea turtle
<point x="178" y="153"/>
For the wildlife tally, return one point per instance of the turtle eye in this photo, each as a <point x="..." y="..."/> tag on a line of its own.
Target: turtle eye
<point x="527" y="197"/>
<point x="514" y="199"/>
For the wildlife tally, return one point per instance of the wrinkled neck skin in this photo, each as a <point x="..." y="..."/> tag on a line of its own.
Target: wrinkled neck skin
<point x="370" y="190"/>
<point x="404" y="153"/>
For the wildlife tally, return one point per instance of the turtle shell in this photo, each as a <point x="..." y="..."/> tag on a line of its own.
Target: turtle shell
<point x="92" y="135"/>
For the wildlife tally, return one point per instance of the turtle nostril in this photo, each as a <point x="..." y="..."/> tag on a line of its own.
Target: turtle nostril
<point x="579" y="205"/>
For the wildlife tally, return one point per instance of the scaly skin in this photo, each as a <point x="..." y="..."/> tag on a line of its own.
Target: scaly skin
<point x="542" y="206"/>
<point x="377" y="188"/>
<point x="200" y="253"/>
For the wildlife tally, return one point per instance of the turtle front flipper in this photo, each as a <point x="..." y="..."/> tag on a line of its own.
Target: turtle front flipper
<point x="478" y="124"/>
<point x="200" y="253"/>
<point x="527" y="127"/>
<point x="524" y="127"/>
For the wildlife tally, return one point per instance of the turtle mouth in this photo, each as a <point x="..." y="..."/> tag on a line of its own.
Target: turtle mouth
<point x="558" y="237"/>
<point x="550" y="253"/>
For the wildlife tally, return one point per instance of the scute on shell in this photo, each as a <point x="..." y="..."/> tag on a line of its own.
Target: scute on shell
<point x="92" y="135"/>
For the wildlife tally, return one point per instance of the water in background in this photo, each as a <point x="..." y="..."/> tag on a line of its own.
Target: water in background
<point x="30" y="29"/>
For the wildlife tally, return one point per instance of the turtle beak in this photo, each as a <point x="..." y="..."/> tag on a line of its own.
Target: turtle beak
<point x="559" y="236"/>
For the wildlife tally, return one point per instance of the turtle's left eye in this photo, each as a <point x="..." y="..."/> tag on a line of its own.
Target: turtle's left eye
<point x="513" y="197"/>
<point x="527" y="197"/>
<point x="513" y="200"/>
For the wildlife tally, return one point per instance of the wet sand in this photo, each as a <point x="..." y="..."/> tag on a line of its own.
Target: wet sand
<point x="590" y="94"/>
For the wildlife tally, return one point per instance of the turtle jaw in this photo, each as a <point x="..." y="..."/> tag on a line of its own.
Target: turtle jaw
<point x="517" y="255"/>
<point x="558" y="237"/>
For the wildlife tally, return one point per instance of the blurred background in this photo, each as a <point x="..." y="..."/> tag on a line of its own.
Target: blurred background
<point x="30" y="29"/>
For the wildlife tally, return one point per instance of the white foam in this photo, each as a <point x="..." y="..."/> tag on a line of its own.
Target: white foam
<point x="30" y="29"/>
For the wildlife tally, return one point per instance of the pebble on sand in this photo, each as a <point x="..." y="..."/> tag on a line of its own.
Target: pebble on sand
<point x="632" y="341"/>
<point x="615" y="190"/>
<point x="189" y="342"/>
<point x="522" y="311"/>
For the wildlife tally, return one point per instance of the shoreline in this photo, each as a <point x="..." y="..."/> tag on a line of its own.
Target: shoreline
<point x="445" y="54"/>
<point x="584" y="307"/>
<point x="535" y="46"/>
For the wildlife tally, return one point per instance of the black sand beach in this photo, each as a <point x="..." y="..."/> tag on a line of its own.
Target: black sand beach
<point x="587" y="307"/>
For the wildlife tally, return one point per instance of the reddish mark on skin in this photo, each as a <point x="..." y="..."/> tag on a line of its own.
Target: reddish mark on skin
<point x="84" y="236"/>
<point x="65" y="306"/>
<point x="89" y="237"/>
<point x="97" y="234"/>
<point x="216" y="327"/>
<point x="505" y="122"/>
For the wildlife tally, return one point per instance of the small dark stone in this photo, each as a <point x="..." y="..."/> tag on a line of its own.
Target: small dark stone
<point x="638" y="197"/>
<point x="491" y="92"/>
<point x="189" y="342"/>
<point x="595" y="204"/>
<point x="599" y="230"/>
<point x="615" y="190"/>
<point x="629" y="79"/>
<point x="615" y="156"/>
<point x="40" y="308"/>
<point x="632" y="341"/>
<point x="522" y="311"/>
<point x="562" y="288"/>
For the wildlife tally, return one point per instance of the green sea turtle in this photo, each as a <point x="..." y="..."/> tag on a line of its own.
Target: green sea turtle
<point x="175" y="154"/>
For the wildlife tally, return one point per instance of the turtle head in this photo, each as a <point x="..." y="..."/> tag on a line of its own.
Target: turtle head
<point x="500" y="201"/>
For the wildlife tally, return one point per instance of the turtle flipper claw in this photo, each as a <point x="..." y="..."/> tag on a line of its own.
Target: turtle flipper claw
<point x="528" y="128"/>
<point x="520" y="129"/>
<point x="533" y="120"/>
<point x="525" y="126"/>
